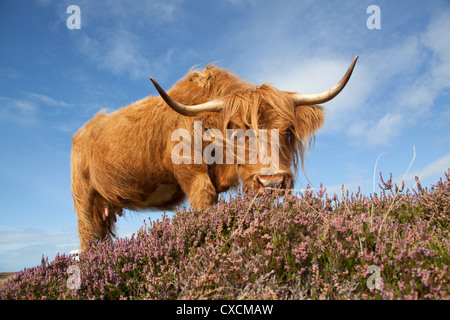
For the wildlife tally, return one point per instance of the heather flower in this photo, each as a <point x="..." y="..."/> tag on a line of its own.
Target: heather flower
<point x="280" y="245"/>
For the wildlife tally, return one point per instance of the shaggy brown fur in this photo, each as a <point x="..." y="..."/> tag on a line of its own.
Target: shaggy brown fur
<point x="123" y="160"/>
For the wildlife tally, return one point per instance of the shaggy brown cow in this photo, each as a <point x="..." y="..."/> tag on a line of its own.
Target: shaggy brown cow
<point x="123" y="160"/>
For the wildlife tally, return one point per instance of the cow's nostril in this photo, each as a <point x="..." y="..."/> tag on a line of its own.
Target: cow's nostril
<point x="270" y="181"/>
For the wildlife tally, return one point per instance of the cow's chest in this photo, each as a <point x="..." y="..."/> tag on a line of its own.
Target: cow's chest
<point x="164" y="193"/>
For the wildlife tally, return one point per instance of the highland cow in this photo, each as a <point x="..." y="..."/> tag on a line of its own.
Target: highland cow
<point x="124" y="160"/>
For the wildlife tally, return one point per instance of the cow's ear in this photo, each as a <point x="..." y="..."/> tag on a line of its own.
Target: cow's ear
<point x="200" y="78"/>
<point x="308" y="119"/>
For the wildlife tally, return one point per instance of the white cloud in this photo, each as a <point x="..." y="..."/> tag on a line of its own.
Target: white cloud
<point x="123" y="53"/>
<point x="19" y="111"/>
<point x="431" y="173"/>
<point x="118" y="54"/>
<point x="432" y="170"/>
<point x="377" y="133"/>
<point x="436" y="38"/>
<point x="419" y="96"/>
<point x="397" y="61"/>
<point x="387" y="127"/>
<point x="25" y="110"/>
<point x="10" y="73"/>
<point x="24" y="248"/>
<point x="132" y="13"/>
<point x="407" y="78"/>
<point x="313" y="75"/>
<point x="48" y="101"/>
<point x="393" y="87"/>
<point x="26" y="236"/>
<point x="115" y="36"/>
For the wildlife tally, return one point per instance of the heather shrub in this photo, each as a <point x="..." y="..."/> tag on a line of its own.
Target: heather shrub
<point x="280" y="245"/>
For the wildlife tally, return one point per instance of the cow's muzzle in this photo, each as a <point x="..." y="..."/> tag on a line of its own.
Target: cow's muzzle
<point x="281" y="181"/>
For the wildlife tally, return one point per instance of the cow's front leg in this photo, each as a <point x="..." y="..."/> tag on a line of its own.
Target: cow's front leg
<point x="202" y="193"/>
<point x="198" y="187"/>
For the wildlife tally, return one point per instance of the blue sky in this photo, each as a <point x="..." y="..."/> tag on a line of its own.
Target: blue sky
<point x="53" y="80"/>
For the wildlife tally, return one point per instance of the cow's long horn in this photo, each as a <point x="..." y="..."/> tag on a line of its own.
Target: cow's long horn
<point x="304" y="99"/>
<point x="190" y="111"/>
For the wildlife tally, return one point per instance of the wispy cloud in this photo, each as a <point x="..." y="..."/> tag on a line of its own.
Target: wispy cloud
<point x="319" y="74"/>
<point x="24" y="248"/>
<point x="128" y="14"/>
<point x="124" y="40"/>
<point x="10" y="73"/>
<point x="393" y="87"/>
<point x="410" y="76"/>
<point x="433" y="170"/>
<point x="119" y="54"/>
<point x="385" y="129"/>
<point x="430" y="173"/>
<point x="26" y="110"/>
<point x="420" y="95"/>
<point x="19" y="111"/>
<point x="43" y="99"/>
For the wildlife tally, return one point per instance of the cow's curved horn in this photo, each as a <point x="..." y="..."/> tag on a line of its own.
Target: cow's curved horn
<point x="304" y="99"/>
<point x="190" y="111"/>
